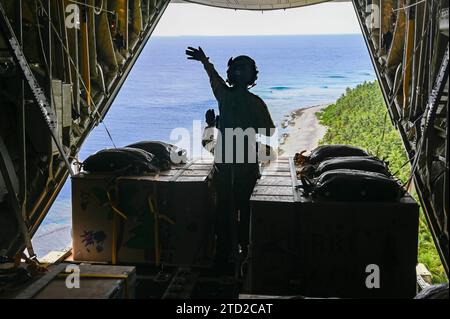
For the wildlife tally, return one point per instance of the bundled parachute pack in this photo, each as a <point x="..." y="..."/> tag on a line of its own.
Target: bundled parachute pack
<point x="139" y="158"/>
<point x="346" y="173"/>
<point x="332" y="151"/>
<point x="166" y="154"/>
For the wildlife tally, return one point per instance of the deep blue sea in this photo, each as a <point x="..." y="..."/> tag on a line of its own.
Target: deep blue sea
<point x="165" y="91"/>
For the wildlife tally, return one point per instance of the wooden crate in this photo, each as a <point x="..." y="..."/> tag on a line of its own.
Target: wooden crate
<point x="169" y="217"/>
<point x="96" y="282"/>
<point x="322" y="249"/>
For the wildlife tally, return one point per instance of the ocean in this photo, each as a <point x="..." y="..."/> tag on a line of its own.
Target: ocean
<point x="166" y="91"/>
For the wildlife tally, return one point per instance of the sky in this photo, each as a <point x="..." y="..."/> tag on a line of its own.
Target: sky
<point x="192" y="19"/>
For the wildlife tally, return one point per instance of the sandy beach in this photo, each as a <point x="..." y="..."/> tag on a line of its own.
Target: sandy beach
<point x="303" y="131"/>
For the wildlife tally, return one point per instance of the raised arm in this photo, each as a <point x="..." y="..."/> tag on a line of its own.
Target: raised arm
<point x="218" y="85"/>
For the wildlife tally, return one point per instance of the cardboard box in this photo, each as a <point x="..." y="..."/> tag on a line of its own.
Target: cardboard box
<point x="94" y="282"/>
<point x="166" y="218"/>
<point x="328" y="249"/>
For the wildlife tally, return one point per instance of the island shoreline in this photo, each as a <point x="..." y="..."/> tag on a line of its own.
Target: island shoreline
<point x="304" y="131"/>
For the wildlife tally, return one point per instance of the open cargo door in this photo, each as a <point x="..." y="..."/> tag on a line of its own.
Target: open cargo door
<point x="62" y="65"/>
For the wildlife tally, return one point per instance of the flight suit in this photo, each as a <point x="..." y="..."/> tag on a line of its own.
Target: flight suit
<point x="236" y="178"/>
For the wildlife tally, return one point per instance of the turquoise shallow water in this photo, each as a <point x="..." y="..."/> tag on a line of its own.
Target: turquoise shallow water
<point x="165" y="91"/>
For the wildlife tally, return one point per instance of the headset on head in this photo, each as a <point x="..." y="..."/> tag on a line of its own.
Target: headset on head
<point x="231" y="73"/>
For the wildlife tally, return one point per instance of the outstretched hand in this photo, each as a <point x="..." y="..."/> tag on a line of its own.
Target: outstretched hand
<point x="210" y="118"/>
<point x="196" y="54"/>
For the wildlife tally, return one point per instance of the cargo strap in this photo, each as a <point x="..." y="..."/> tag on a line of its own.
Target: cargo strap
<point x="294" y="179"/>
<point x="152" y="203"/>
<point x="114" y="228"/>
<point x="181" y="171"/>
<point x="157" y="216"/>
<point x="114" y="208"/>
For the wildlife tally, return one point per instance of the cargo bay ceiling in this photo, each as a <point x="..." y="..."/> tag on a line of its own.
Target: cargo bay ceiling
<point x="256" y="4"/>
